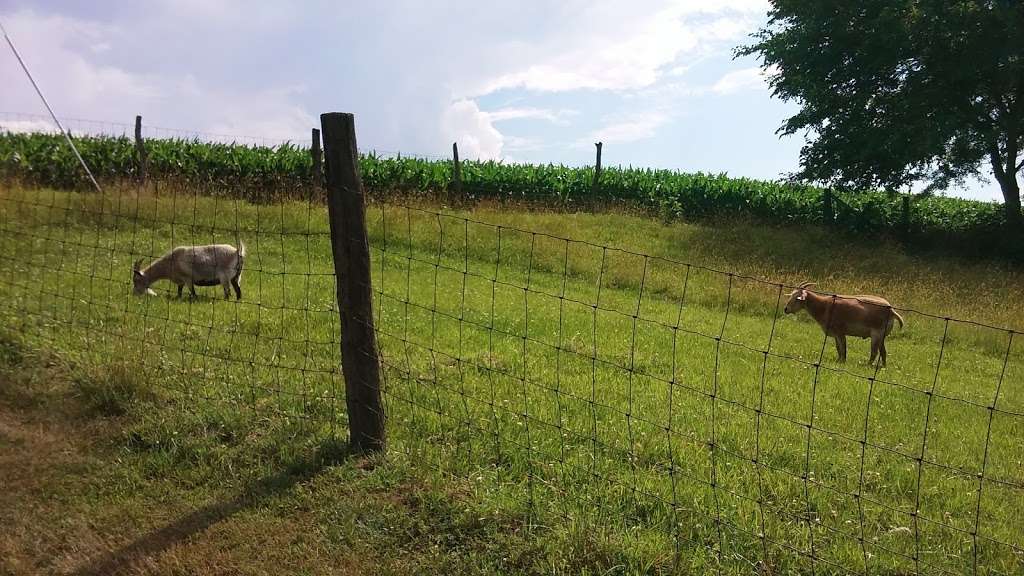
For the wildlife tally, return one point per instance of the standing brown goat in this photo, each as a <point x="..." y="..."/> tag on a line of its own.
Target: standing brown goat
<point x="841" y="316"/>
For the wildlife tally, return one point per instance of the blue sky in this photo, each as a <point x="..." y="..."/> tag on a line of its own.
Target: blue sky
<point x="521" y="81"/>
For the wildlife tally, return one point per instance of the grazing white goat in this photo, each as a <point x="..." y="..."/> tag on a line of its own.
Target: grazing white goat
<point x="194" y="266"/>
<point x="863" y="316"/>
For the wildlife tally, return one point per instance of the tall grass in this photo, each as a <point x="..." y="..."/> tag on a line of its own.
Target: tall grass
<point x="645" y="424"/>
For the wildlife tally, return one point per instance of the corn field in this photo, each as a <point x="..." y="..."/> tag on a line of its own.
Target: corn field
<point x="263" y="173"/>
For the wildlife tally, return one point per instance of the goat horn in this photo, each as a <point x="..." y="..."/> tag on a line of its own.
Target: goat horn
<point x="806" y="285"/>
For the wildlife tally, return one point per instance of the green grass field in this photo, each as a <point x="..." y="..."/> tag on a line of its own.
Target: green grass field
<point x="592" y="409"/>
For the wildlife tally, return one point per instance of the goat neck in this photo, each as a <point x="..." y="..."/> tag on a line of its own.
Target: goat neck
<point x="158" y="270"/>
<point x="820" y="307"/>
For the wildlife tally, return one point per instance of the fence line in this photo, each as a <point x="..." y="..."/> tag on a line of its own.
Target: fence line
<point x="32" y="123"/>
<point x="25" y="122"/>
<point x="666" y="403"/>
<point x="456" y="410"/>
<point x="282" y="168"/>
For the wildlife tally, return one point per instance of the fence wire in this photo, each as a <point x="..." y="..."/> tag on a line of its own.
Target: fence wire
<point x="667" y="408"/>
<point x="21" y="122"/>
<point x="673" y="402"/>
<point x="67" y="261"/>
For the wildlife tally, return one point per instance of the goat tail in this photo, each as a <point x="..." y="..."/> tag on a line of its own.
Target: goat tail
<point x="898" y="317"/>
<point x="241" y="255"/>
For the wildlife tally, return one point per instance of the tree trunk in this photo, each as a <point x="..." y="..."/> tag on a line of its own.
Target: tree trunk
<point x="1011" y="202"/>
<point x="1011" y="191"/>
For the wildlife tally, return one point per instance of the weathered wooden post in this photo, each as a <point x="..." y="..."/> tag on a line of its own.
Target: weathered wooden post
<point x="827" y="210"/>
<point x="456" y="171"/>
<point x="317" y="174"/>
<point x="347" y="214"/>
<point x="140" y="152"/>
<point x="596" y="188"/>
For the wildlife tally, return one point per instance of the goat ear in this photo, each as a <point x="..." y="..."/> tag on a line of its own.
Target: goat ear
<point x="137" y="265"/>
<point x="802" y="296"/>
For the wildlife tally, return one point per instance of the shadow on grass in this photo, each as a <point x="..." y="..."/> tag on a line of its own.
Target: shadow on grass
<point x="332" y="451"/>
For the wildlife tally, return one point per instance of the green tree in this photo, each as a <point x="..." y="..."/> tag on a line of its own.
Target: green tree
<point x="894" y="92"/>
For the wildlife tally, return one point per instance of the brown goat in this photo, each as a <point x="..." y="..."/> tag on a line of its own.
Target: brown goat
<point x="839" y="316"/>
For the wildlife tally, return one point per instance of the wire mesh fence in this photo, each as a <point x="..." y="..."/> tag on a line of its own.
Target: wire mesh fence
<point x="21" y="122"/>
<point x="67" y="261"/>
<point x="675" y="404"/>
<point x="617" y="396"/>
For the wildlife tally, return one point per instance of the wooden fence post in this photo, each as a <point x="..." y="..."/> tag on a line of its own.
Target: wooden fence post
<point x="347" y="214"/>
<point x="140" y="152"/>
<point x="456" y="170"/>
<point x="828" y="211"/>
<point x="314" y="150"/>
<point x="596" y="188"/>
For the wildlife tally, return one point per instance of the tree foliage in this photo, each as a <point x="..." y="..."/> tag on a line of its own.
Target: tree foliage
<point x="895" y="92"/>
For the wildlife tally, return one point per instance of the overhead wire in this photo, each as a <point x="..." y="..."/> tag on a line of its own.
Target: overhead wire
<point x="49" y="109"/>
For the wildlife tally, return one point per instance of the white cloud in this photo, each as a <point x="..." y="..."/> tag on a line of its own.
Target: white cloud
<point x="54" y="49"/>
<point x="637" y="59"/>
<point x="678" y="70"/>
<point x="465" y="123"/>
<point x="28" y="125"/>
<point x="741" y="80"/>
<point x="517" y="144"/>
<point x="474" y="130"/>
<point x="270" y="113"/>
<point x="514" y="113"/>
<point x="629" y="52"/>
<point x="639" y="126"/>
<point x="233" y="14"/>
<point x="617" y="50"/>
<point x="657" y="105"/>
<point x="63" y="54"/>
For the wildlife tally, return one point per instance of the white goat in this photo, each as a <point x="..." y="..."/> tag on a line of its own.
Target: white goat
<point x="862" y="315"/>
<point x="194" y="266"/>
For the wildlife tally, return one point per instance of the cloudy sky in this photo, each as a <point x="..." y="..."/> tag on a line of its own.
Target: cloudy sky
<point x="526" y="81"/>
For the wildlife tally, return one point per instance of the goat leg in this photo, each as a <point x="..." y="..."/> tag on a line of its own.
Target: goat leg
<point x="841" y="347"/>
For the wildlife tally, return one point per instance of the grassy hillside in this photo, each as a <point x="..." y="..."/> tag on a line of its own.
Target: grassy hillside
<point x="266" y="174"/>
<point x="553" y="405"/>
